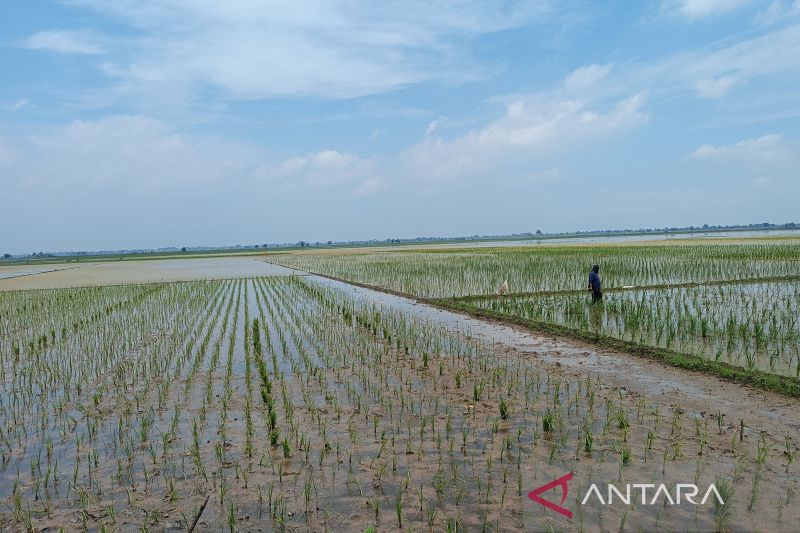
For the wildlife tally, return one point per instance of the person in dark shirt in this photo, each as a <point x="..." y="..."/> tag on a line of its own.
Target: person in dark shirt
<point x="594" y="284"/>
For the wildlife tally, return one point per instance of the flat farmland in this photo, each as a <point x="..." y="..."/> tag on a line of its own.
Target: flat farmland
<point x="280" y="403"/>
<point x="268" y="398"/>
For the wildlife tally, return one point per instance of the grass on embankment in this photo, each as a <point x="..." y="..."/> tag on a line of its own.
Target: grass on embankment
<point x="785" y="385"/>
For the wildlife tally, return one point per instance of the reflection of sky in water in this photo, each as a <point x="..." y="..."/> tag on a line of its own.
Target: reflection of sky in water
<point x="27" y="272"/>
<point x="137" y="271"/>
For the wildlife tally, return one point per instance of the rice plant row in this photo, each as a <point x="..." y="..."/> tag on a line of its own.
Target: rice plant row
<point x="277" y="403"/>
<point x="750" y="325"/>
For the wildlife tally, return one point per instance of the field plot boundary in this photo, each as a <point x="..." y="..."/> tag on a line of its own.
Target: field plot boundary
<point x="785" y="385"/>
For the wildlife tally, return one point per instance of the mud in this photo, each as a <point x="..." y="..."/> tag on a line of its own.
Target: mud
<point x="374" y="424"/>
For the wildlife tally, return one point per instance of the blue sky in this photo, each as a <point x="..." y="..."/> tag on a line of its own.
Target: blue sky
<point x="152" y="123"/>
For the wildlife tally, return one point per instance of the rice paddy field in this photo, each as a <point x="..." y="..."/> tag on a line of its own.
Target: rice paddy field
<point x="752" y="325"/>
<point x="731" y="301"/>
<point x="284" y="403"/>
<point x="454" y="272"/>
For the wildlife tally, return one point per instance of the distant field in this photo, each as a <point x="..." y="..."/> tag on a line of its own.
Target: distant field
<point x="65" y="275"/>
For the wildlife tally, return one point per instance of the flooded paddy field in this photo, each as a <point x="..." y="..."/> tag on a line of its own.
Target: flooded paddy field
<point x="58" y="276"/>
<point x="296" y="403"/>
<point x="17" y="271"/>
<point x="717" y="306"/>
<point x="754" y="325"/>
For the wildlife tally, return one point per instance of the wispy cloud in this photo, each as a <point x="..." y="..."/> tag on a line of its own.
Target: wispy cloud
<point x="766" y="161"/>
<point x="587" y="76"/>
<point x="137" y="154"/>
<point x="432" y="126"/>
<point x="341" y="49"/>
<point x="697" y="9"/>
<point x="320" y="169"/>
<point x="65" y="42"/>
<point x="127" y="154"/>
<point x="715" y="88"/>
<point x="778" y="11"/>
<point x="713" y="71"/>
<point x="527" y="131"/>
<point x="766" y="149"/>
<point x="16" y="106"/>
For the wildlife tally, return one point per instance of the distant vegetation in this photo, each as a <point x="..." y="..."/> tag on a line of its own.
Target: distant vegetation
<point x="538" y="234"/>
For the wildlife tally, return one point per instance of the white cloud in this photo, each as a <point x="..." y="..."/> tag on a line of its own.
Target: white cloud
<point x="587" y="75"/>
<point x="128" y="154"/>
<point x="327" y="167"/>
<point x="766" y="149"/>
<point x="715" y="88"/>
<point x="65" y="42"/>
<point x="769" y="160"/>
<point x="696" y="9"/>
<point x="778" y="11"/>
<point x="761" y="56"/>
<point x="340" y="49"/>
<point x="710" y="71"/>
<point x="135" y="154"/>
<point x="527" y="131"/>
<point x="16" y="106"/>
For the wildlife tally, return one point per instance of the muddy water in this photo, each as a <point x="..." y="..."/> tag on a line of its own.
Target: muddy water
<point x="766" y="418"/>
<point x="551" y="350"/>
<point x="645" y="377"/>
<point x="326" y="394"/>
<point x="60" y="276"/>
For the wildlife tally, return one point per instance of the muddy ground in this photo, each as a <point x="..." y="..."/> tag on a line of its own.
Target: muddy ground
<point x="402" y="429"/>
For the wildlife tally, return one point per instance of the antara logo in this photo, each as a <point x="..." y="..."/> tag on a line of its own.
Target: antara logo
<point x="562" y="482"/>
<point x="660" y="493"/>
<point x="647" y="493"/>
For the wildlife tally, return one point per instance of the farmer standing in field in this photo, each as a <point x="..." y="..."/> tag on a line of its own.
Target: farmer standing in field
<point x="594" y="284"/>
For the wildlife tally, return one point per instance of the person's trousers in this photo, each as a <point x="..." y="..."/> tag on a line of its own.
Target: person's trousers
<point x="597" y="295"/>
